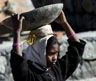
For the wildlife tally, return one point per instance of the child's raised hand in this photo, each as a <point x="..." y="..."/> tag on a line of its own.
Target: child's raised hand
<point x="17" y="22"/>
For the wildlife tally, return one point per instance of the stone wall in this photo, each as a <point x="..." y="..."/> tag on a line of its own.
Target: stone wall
<point x="5" y="70"/>
<point x="85" y="70"/>
<point x="81" y="14"/>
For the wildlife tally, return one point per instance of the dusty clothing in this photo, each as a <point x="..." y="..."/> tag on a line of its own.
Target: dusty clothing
<point x="26" y="70"/>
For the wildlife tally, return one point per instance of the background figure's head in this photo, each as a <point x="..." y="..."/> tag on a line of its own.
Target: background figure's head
<point x="52" y="51"/>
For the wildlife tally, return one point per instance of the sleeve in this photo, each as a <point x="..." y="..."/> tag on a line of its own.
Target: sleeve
<point x="19" y="67"/>
<point x="73" y="56"/>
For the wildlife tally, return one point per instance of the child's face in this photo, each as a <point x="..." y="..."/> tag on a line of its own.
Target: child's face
<point x="52" y="54"/>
